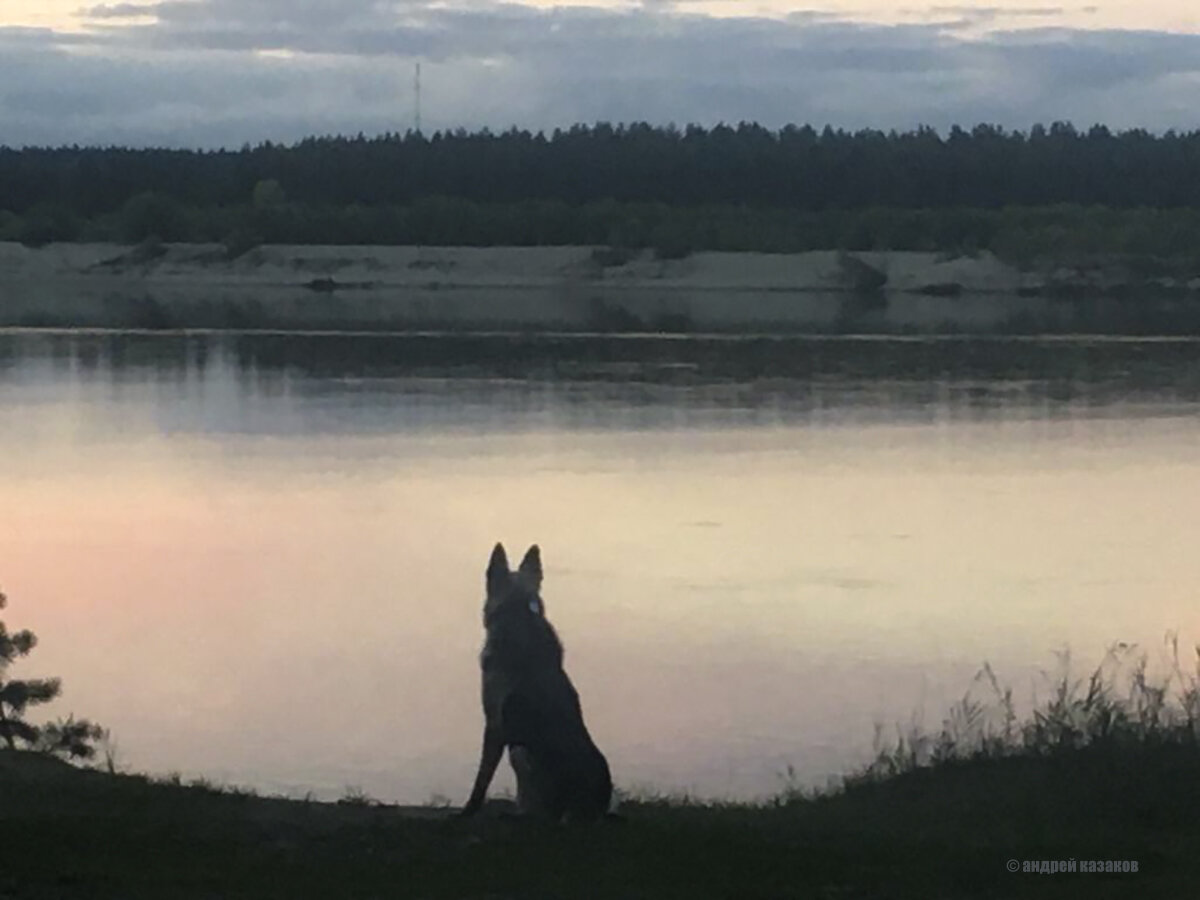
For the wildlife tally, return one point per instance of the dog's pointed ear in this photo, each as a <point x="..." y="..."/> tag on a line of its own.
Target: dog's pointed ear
<point x="531" y="565"/>
<point x="498" y="565"/>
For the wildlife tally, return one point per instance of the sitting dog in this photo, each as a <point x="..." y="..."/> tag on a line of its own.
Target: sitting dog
<point x="530" y="705"/>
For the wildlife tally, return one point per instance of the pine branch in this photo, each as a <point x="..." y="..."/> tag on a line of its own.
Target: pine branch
<point x="18" y="695"/>
<point x="13" y="730"/>
<point x="14" y="645"/>
<point x="71" y="738"/>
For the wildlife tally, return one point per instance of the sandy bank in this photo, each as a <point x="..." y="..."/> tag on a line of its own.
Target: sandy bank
<point x="552" y="288"/>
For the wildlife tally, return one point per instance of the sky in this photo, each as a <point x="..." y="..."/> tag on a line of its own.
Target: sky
<point x="224" y="72"/>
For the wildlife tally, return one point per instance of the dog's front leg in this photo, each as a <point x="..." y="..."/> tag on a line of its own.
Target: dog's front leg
<point x="493" y="749"/>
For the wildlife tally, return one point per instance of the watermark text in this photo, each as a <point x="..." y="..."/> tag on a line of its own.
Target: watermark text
<point x="1072" y="865"/>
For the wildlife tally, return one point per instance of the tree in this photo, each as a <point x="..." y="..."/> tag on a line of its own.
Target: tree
<point x="152" y="214"/>
<point x="268" y="194"/>
<point x="71" y="738"/>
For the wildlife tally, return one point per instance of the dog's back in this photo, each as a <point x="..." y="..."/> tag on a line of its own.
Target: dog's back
<point x="530" y="705"/>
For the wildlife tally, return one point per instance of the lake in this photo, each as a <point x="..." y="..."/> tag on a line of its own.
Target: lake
<point x="259" y="558"/>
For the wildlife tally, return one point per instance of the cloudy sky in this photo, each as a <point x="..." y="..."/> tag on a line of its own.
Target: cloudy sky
<point x="222" y="72"/>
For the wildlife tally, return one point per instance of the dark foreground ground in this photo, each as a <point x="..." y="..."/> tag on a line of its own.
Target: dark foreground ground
<point x="927" y="834"/>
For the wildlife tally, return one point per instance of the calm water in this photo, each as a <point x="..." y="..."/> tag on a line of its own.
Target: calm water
<point x="260" y="559"/>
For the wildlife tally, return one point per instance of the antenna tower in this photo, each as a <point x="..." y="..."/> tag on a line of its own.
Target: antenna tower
<point x="417" y="95"/>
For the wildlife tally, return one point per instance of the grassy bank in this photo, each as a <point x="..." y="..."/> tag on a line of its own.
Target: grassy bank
<point x="1107" y="768"/>
<point x="927" y="833"/>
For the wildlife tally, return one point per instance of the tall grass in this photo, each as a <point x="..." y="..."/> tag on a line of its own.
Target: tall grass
<point x="1119" y="706"/>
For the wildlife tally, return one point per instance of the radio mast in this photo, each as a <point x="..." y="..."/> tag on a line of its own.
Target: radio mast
<point x="417" y="97"/>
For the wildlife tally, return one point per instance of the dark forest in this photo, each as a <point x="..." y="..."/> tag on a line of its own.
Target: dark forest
<point x="743" y="187"/>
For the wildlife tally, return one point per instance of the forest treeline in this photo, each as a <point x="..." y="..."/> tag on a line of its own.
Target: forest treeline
<point x="744" y="187"/>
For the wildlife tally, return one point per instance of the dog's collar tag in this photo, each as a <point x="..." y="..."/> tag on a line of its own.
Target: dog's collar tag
<point x="535" y="606"/>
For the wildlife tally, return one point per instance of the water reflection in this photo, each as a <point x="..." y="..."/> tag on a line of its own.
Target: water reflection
<point x="755" y="549"/>
<point x="505" y="381"/>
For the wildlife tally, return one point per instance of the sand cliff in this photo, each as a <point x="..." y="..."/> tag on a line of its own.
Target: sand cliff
<point x="551" y="288"/>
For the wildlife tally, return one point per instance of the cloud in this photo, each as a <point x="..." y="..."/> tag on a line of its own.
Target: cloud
<point x="118" y="11"/>
<point x="221" y="72"/>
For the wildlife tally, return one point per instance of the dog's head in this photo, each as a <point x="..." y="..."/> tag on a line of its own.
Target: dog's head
<point x="510" y="590"/>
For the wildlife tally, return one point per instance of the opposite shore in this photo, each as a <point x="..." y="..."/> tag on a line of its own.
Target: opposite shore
<point x="386" y="288"/>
